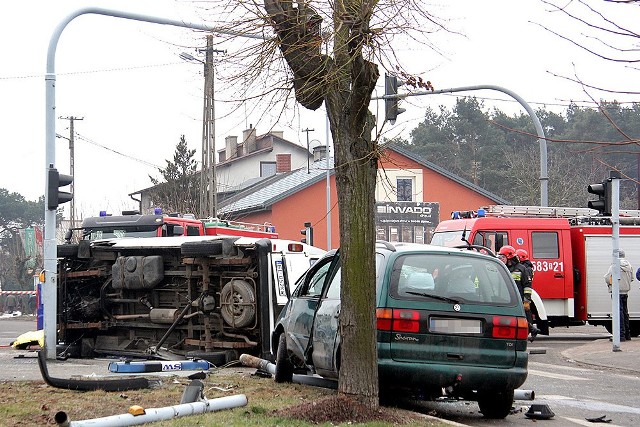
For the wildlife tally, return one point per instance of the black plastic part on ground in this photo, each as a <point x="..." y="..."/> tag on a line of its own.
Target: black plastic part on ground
<point x="119" y="384"/>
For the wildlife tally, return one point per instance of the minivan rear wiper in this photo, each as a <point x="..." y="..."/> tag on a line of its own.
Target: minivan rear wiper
<point x="439" y="297"/>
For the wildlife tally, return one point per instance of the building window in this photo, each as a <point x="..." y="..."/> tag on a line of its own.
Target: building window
<point x="404" y="188"/>
<point x="393" y="234"/>
<point x="267" y="169"/>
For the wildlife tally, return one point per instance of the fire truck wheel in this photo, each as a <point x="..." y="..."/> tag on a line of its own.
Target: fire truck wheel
<point x="66" y="251"/>
<point x="284" y="367"/>
<point x="238" y="302"/>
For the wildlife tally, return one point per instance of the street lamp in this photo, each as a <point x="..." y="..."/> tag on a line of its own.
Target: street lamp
<point x="188" y="57"/>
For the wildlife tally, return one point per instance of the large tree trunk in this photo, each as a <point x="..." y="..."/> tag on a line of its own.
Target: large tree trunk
<point x="345" y="83"/>
<point x="355" y="179"/>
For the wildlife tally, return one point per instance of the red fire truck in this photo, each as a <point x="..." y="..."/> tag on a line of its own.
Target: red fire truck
<point x="134" y="224"/>
<point x="571" y="250"/>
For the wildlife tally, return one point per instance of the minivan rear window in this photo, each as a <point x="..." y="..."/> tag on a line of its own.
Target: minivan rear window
<point x="464" y="278"/>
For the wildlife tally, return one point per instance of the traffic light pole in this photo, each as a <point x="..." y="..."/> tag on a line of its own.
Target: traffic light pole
<point x="614" y="176"/>
<point x="542" y="141"/>
<point x="49" y="290"/>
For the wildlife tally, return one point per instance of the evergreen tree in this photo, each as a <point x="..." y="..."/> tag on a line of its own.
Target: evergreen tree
<point x="181" y="187"/>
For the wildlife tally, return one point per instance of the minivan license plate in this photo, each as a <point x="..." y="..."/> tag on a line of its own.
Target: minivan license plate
<point x="455" y="326"/>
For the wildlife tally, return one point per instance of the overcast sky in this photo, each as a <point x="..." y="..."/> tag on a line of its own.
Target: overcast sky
<point x="136" y="96"/>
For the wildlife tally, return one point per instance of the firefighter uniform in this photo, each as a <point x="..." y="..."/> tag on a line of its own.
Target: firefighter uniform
<point x="522" y="277"/>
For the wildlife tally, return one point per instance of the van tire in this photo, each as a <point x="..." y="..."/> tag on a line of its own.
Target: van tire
<point x="238" y="303"/>
<point x="284" y="367"/>
<point x="496" y="405"/>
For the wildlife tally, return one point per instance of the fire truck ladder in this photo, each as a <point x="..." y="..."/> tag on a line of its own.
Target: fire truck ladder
<point x="549" y="211"/>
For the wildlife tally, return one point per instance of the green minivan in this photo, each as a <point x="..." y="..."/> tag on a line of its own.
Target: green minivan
<point x="450" y="323"/>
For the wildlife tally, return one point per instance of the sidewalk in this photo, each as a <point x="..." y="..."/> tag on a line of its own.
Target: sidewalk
<point x="600" y="353"/>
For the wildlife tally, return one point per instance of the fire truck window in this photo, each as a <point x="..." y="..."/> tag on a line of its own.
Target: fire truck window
<point x="544" y="245"/>
<point x="192" y="231"/>
<point x="494" y="240"/>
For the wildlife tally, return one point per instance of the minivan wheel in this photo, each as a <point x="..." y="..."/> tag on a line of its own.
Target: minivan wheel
<point x="284" y="367"/>
<point x="496" y="405"/>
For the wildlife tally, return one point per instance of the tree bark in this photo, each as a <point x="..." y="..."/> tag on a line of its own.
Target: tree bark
<point x="355" y="179"/>
<point x="345" y="83"/>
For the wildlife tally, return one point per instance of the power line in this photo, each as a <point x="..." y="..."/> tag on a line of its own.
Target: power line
<point x="90" y="141"/>
<point x="104" y="70"/>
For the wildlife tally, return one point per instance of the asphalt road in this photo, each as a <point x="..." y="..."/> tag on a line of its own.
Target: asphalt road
<point x="574" y="392"/>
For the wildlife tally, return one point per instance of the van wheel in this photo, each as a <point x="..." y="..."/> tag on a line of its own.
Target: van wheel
<point x="496" y="406"/>
<point x="238" y="303"/>
<point x="284" y="367"/>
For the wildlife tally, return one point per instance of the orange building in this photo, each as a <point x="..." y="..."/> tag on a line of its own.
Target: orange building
<point x="412" y="197"/>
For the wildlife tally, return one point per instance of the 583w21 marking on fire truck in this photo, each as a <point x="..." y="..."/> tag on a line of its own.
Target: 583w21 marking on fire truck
<point x="548" y="266"/>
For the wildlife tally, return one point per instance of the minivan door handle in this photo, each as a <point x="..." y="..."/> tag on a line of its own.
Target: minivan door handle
<point x="455" y="356"/>
<point x="558" y="275"/>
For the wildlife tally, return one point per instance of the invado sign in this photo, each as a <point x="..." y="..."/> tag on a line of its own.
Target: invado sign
<point x="413" y="213"/>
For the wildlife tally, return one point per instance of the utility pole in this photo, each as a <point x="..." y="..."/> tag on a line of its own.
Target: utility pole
<point x="72" y="207"/>
<point x="307" y="130"/>
<point x="208" y="187"/>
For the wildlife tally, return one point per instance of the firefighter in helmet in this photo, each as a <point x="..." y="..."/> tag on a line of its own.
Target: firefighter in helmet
<point x="523" y="278"/>
<point x="523" y="257"/>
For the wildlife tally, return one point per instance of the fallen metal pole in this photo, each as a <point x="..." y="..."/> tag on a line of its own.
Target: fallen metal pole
<point x="524" y="394"/>
<point x="256" y="362"/>
<point x="156" y="414"/>
<point x="265" y="365"/>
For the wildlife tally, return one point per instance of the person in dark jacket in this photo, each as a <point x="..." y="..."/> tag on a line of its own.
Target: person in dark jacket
<point x="523" y="278"/>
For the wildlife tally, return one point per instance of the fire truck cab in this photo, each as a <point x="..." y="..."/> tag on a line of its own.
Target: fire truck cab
<point x="134" y="224"/>
<point x="570" y="249"/>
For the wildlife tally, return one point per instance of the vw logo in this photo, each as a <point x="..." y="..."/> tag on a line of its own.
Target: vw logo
<point x="456" y="307"/>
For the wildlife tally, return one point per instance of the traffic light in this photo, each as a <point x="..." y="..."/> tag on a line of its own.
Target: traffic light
<point x="56" y="180"/>
<point x="307" y="232"/>
<point x="391" y="109"/>
<point x="603" y="191"/>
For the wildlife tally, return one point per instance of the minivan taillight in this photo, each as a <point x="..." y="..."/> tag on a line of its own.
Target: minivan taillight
<point x="395" y="320"/>
<point x="509" y="328"/>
